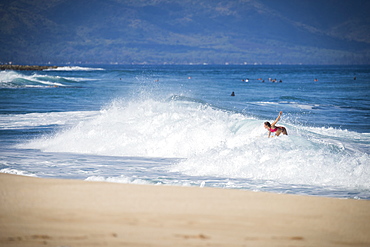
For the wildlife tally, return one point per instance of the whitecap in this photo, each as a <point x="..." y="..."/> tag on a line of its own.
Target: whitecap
<point x="73" y="68"/>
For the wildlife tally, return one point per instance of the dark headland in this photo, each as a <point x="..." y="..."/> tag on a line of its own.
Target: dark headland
<point x="25" y="67"/>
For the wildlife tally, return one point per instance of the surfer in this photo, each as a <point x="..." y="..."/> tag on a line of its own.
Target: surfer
<point x="277" y="129"/>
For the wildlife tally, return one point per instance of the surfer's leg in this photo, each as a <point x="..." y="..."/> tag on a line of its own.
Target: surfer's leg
<point x="278" y="132"/>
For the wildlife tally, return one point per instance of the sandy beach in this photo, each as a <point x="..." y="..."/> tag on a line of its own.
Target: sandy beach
<point x="53" y="212"/>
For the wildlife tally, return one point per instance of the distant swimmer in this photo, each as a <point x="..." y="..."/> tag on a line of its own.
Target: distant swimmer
<point x="277" y="129"/>
<point x="232" y="94"/>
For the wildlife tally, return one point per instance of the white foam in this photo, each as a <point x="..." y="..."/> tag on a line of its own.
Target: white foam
<point x="78" y="79"/>
<point x="20" y="121"/>
<point x="264" y="103"/>
<point x="217" y="143"/>
<point x="289" y="160"/>
<point x="290" y="103"/>
<point x="151" y="129"/>
<point x="16" y="172"/>
<point x="73" y="68"/>
<point x="120" y="179"/>
<point x="8" y="76"/>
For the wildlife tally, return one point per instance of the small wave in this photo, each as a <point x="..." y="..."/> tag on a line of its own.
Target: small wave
<point x="120" y="179"/>
<point x="292" y="104"/>
<point x="16" y="172"/>
<point x="264" y="103"/>
<point x="290" y="98"/>
<point x="8" y="76"/>
<point x="304" y="106"/>
<point x="12" y="79"/>
<point x="77" y="79"/>
<point x="74" y="68"/>
<point x="186" y="99"/>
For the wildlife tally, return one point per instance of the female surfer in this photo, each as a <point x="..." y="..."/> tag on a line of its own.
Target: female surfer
<point x="277" y="129"/>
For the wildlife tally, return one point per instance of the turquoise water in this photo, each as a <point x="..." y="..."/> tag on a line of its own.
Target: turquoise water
<point x="178" y="125"/>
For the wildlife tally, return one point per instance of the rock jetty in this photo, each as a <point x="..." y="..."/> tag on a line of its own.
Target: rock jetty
<point x="25" y="67"/>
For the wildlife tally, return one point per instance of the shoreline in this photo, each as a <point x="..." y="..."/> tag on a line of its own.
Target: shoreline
<point x="25" y="67"/>
<point x="56" y="212"/>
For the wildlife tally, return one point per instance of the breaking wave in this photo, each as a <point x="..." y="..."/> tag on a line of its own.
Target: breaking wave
<point x="219" y="143"/>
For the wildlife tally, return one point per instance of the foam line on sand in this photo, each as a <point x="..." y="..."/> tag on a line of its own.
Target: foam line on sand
<point x="54" y="212"/>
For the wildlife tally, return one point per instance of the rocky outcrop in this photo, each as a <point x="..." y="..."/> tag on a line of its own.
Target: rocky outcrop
<point x="25" y="67"/>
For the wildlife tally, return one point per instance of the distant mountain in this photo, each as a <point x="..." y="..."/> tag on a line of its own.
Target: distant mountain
<point x="185" y="31"/>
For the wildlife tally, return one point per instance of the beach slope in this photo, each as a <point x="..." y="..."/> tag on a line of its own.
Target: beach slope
<point x="53" y="212"/>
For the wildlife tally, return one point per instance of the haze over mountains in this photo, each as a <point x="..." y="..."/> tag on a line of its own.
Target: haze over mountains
<point x="185" y="31"/>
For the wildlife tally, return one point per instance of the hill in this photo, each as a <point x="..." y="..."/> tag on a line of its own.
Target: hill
<point x="185" y="31"/>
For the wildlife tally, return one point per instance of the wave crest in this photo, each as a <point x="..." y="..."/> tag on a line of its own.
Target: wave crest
<point x="73" y="68"/>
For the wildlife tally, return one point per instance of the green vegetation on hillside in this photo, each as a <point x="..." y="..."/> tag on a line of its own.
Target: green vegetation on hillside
<point x="184" y="32"/>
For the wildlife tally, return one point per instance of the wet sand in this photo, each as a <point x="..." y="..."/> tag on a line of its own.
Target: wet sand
<point x="53" y="212"/>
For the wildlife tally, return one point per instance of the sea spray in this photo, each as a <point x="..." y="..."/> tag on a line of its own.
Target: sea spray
<point x="148" y="128"/>
<point x="216" y="143"/>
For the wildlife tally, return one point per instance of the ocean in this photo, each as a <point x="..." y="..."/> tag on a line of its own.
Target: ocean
<point x="179" y="126"/>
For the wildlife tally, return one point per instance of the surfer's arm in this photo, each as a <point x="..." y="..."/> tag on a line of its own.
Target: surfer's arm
<point x="277" y="119"/>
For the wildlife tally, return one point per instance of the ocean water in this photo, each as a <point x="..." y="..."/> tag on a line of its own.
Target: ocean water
<point x="180" y="126"/>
